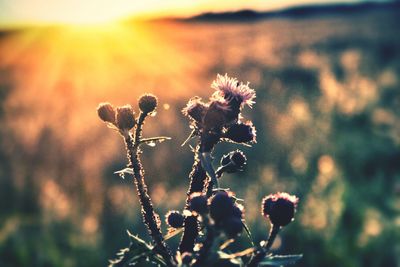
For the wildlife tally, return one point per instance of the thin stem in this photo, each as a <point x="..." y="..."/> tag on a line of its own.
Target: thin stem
<point x="150" y="218"/>
<point x="260" y="254"/>
<point x="197" y="180"/>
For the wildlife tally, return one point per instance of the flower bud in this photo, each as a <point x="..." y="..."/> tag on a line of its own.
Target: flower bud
<point x="232" y="162"/>
<point x="174" y="219"/>
<point x="125" y="117"/>
<point x="106" y="112"/>
<point x="147" y="103"/>
<point x="198" y="203"/>
<point x="195" y="109"/>
<point x="241" y="132"/>
<point x="233" y="226"/>
<point x="221" y="206"/>
<point x="279" y="208"/>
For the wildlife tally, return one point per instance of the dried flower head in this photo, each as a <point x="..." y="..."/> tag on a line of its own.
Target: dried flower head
<point x="198" y="203"/>
<point x="279" y="208"/>
<point x="148" y="103"/>
<point x="195" y="109"/>
<point x="125" y="118"/>
<point x="230" y="89"/>
<point x="174" y="219"/>
<point x="106" y="112"/>
<point x="242" y="132"/>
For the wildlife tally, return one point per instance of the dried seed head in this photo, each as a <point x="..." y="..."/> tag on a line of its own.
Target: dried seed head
<point x="198" y="203"/>
<point x="106" y="112"/>
<point x="279" y="208"/>
<point x="174" y="219"/>
<point x="147" y="103"/>
<point x="125" y="117"/>
<point x="241" y="133"/>
<point x="221" y="206"/>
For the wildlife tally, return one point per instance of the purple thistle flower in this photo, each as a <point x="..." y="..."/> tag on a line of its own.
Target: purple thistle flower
<point x="230" y="89"/>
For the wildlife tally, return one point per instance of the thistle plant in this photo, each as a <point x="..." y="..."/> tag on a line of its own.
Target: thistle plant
<point x="212" y="217"/>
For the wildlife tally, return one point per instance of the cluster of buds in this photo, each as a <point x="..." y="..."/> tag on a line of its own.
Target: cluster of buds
<point x="123" y="118"/>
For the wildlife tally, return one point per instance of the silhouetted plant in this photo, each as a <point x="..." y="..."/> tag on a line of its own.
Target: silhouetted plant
<point x="212" y="217"/>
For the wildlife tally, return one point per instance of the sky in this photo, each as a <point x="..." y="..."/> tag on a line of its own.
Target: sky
<point x="99" y="11"/>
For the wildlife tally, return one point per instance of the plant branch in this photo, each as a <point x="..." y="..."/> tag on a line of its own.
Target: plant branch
<point x="262" y="252"/>
<point x="198" y="177"/>
<point x="150" y="218"/>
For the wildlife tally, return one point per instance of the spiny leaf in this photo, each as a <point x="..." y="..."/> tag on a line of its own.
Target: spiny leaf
<point x="279" y="260"/>
<point x="137" y="251"/>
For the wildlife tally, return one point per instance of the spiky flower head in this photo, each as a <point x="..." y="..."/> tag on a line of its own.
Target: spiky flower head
<point x="231" y="89"/>
<point x="241" y="132"/>
<point x="279" y="208"/>
<point x="148" y="103"/>
<point x="195" y="109"/>
<point x="106" y="112"/>
<point x="174" y="219"/>
<point x="125" y="118"/>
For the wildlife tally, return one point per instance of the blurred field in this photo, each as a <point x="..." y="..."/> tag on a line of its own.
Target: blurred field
<point x="327" y="118"/>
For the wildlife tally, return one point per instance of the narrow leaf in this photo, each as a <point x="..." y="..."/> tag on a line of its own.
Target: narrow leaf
<point x="152" y="141"/>
<point x="123" y="172"/>
<point x="279" y="260"/>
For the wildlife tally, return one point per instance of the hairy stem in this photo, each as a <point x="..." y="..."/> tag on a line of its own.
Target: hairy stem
<point x="150" y="218"/>
<point x="197" y="181"/>
<point x="260" y="254"/>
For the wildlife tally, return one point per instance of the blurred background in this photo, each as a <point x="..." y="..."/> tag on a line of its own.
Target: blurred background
<point x="327" y="118"/>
